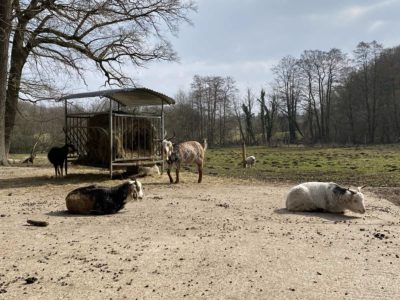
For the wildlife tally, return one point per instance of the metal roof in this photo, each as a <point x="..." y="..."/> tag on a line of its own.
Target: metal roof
<point x="127" y="96"/>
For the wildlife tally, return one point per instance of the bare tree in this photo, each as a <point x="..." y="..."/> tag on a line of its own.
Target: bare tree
<point x="5" y="27"/>
<point x="228" y="94"/>
<point x="238" y="116"/>
<point x="366" y="55"/>
<point x="321" y="71"/>
<point x="212" y="96"/>
<point x="287" y="79"/>
<point x="49" y="35"/>
<point x="247" y="108"/>
<point x="268" y="111"/>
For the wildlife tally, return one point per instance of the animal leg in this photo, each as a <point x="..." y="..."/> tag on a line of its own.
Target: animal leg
<point x="61" y="169"/>
<point x="169" y="175"/>
<point x="65" y="166"/>
<point x="200" y="167"/>
<point x="56" y="171"/>
<point x="177" y="175"/>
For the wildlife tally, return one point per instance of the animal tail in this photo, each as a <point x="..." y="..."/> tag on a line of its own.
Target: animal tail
<point x="205" y="145"/>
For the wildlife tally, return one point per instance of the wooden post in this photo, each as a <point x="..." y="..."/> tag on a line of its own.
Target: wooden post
<point x="244" y="154"/>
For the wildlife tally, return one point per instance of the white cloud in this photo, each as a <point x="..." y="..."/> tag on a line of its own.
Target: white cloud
<point x="169" y="78"/>
<point x="376" y="25"/>
<point x="243" y="39"/>
<point x="359" y="11"/>
<point x="354" y="12"/>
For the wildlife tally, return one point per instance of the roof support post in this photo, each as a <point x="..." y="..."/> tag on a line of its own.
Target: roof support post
<point x="162" y="135"/>
<point x="111" y="139"/>
<point x="66" y="134"/>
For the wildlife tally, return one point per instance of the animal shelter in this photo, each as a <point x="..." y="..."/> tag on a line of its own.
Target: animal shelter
<point x="121" y="129"/>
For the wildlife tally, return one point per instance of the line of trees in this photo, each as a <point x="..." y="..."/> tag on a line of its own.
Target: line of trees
<point x="319" y="97"/>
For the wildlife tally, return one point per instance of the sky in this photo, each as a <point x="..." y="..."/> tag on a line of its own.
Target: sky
<point x="244" y="39"/>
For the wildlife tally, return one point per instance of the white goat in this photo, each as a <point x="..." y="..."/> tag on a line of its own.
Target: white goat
<point x="250" y="161"/>
<point x="148" y="171"/>
<point x="184" y="153"/>
<point x="324" y="196"/>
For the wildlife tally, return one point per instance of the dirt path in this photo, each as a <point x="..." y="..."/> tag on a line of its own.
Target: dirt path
<point x="222" y="239"/>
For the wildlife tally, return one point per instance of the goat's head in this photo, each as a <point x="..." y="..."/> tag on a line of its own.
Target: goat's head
<point x="356" y="200"/>
<point x="135" y="190"/>
<point x="167" y="148"/>
<point x="167" y="145"/>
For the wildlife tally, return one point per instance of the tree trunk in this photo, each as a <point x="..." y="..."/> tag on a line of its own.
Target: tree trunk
<point x="5" y="13"/>
<point x="14" y="80"/>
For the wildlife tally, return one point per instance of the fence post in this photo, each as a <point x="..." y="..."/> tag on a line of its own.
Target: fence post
<point x="244" y="154"/>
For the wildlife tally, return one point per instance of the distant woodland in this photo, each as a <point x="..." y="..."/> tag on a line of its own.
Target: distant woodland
<point x="320" y="97"/>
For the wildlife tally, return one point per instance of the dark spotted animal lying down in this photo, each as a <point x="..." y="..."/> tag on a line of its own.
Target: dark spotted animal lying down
<point x="93" y="199"/>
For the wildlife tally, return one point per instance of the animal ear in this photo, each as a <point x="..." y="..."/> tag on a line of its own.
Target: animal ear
<point x="339" y="190"/>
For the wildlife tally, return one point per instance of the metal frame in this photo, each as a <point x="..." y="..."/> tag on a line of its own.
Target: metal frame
<point x="77" y="130"/>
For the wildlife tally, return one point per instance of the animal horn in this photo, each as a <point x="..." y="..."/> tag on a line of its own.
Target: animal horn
<point x="171" y="136"/>
<point x="361" y="187"/>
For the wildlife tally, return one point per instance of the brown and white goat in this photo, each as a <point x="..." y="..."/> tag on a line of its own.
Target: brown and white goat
<point x="184" y="153"/>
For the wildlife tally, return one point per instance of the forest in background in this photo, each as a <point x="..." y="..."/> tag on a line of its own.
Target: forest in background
<point x="320" y="97"/>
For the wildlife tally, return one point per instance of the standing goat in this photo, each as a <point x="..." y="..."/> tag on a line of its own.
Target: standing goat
<point x="184" y="153"/>
<point x="250" y="161"/>
<point x="58" y="157"/>
<point x="324" y="196"/>
<point x="94" y="199"/>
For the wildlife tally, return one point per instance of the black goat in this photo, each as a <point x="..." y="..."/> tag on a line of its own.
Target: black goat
<point x="58" y="157"/>
<point x="93" y="199"/>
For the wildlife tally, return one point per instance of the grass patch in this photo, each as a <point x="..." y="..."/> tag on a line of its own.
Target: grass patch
<point x="375" y="166"/>
<point x="371" y="165"/>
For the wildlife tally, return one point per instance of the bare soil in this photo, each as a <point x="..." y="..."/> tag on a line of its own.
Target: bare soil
<point x="222" y="239"/>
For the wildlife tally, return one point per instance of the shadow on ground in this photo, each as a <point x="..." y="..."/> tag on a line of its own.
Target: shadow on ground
<point x="322" y="215"/>
<point x="34" y="181"/>
<point x="67" y="214"/>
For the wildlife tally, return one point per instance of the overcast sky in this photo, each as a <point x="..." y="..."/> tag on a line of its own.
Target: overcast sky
<point x="244" y="38"/>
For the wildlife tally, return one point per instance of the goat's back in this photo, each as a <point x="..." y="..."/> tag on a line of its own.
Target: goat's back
<point x="308" y="196"/>
<point x="81" y="200"/>
<point x="57" y="155"/>
<point x="190" y="152"/>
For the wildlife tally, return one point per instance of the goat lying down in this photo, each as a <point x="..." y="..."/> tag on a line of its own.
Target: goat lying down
<point x="185" y="153"/>
<point x="324" y="196"/>
<point x="93" y="199"/>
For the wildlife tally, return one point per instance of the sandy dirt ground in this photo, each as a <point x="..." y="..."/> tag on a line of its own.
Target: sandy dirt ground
<point x="222" y="239"/>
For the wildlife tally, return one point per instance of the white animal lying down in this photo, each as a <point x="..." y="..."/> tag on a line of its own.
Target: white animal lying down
<point x="324" y="196"/>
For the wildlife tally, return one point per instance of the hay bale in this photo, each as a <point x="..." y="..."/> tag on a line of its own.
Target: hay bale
<point x="132" y="140"/>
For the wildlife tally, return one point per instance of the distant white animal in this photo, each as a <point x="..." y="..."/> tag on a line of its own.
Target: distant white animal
<point x="250" y="161"/>
<point x="148" y="171"/>
<point x="324" y="196"/>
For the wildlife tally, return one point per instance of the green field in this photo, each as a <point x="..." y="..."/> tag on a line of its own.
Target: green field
<point x="370" y="165"/>
<point x="375" y="166"/>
